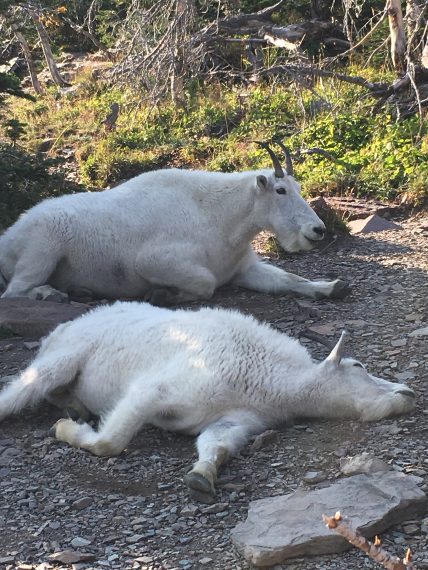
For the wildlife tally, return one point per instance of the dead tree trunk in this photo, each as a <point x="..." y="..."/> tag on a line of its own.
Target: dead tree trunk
<point x="398" y="36"/>
<point x="47" y="51"/>
<point x="27" y="55"/>
<point x="185" y="14"/>
<point x="424" y="59"/>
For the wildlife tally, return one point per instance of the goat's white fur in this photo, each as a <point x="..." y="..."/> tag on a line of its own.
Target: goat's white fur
<point x="212" y="372"/>
<point x="180" y="229"/>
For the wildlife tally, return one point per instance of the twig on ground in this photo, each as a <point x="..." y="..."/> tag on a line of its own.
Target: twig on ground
<point x="374" y="550"/>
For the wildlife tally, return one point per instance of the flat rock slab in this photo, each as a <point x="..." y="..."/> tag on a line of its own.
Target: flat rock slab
<point x="33" y="319"/>
<point x="372" y="223"/>
<point x="287" y="526"/>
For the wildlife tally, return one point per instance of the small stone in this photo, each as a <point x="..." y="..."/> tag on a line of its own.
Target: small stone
<point x="205" y="560"/>
<point x="81" y="504"/>
<point x="134" y="538"/>
<point x="216" y="508"/>
<point x="403" y="376"/>
<point x="363" y="463"/>
<point x="7" y="559"/>
<point x="341" y="452"/>
<point x="264" y="439"/>
<point x="79" y="542"/>
<point x="312" y="477"/>
<point x="399" y="342"/>
<point x="32" y="345"/>
<point x="189" y="510"/>
<point x="70" y="556"/>
<point x="411" y="529"/>
<point x="144" y="559"/>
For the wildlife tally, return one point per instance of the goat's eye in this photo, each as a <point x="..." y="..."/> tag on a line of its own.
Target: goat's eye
<point x="358" y="364"/>
<point x="281" y="191"/>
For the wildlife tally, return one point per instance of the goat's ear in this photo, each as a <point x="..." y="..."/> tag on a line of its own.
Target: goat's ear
<point x="262" y="182"/>
<point x="337" y="353"/>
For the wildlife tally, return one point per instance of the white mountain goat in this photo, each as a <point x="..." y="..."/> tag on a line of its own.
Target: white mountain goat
<point x="211" y="372"/>
<point x="167" y="236"/>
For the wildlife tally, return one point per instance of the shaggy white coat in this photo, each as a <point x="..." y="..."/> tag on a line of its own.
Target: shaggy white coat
<point x="175" y="234"/>
<point x="211" y="372"/>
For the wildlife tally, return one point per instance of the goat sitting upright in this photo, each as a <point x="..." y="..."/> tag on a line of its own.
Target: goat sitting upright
<point x="166" y="236"/>
<point x="211" y="372"/>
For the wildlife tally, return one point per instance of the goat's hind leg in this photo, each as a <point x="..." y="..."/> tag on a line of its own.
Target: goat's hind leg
<point x="215" y="445"/>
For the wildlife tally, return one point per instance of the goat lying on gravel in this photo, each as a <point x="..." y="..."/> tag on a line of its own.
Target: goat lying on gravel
<point x="211" y="372"/>
<point x="166" y="236"/>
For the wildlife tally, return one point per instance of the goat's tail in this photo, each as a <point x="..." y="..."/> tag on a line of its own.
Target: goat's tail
<point x="37" y="381"/>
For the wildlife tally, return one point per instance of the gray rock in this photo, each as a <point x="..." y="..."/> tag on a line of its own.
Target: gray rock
<point x="363" y="463"/>
<point x="373" y="223"/>
<point x="264" y="439"/>
<point x="30" y="318"/>
<point x="291" y="525"/>
<point x="420" y="332"/>
<point x="312" y="477"/>
<point x="78" y="542"/>
<point x="81" y="504"/>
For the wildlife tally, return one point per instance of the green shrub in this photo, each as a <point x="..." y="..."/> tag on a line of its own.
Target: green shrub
<point x="26" y="179"/>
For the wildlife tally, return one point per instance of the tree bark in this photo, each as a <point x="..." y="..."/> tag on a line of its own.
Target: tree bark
<point x="424" y="59"/>
<point x="185" y="15"/>
<point x="414" y="20"/>
<point x="398" y="36"/>
<point x="47" y="51"/>
<point x="27" y="55"/>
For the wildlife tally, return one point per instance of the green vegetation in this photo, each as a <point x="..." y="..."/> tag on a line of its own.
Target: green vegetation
<point x="216" y="118"/>
<point x="376" y="155"/>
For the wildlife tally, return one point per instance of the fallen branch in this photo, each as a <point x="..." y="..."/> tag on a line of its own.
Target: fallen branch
<point x="374" y="550"/>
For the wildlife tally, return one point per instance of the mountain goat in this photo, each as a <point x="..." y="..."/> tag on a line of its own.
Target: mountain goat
<point x="167" y="236"/>
<point x="213" y="373"/>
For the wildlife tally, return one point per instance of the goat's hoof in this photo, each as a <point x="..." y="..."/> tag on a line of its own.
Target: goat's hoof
<point x="341" y="289"/>
<point x="200" y="487"/>
<point x="200" y="497"/>
<point x="161" y="296"/>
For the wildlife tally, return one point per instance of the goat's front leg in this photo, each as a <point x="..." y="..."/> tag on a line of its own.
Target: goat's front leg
<point x="267" y="278"/>
<point x="215" y="445"/>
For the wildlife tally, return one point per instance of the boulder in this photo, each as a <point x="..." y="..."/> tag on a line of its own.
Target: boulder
<point x="373" y="223"/>
<point x="32" y="319"/>
<point x="289" y="526"/>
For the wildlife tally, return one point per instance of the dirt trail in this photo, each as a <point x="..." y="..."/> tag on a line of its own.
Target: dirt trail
<point x="134" y="512"/>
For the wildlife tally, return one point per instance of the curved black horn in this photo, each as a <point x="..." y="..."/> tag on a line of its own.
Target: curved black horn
<point x="279" y="173"/>
<point x="288" y="161"/>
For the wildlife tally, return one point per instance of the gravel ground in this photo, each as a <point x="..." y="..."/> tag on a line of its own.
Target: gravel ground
<point x="133" y="511"/>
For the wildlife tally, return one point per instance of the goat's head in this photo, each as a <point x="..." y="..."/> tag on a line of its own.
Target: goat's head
<point x="292" y="220"/>
<point x="350" y="391"/>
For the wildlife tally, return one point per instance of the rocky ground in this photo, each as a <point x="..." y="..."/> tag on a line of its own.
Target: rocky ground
<point x="133" y="511"/>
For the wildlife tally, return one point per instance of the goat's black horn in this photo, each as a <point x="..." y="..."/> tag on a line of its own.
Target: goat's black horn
<point x="288" y="161"/>
<point x="279" y="173"/>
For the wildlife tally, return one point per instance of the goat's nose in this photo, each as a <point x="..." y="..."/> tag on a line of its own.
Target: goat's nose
<point x="319" y="230"/>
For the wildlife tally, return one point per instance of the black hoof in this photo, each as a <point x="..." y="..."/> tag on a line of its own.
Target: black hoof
<point x="51" y="432"/>
<point x="200" y="488"/>
<point x="200" y="497"/>
<point x="161" y="296"/>
<point x="341" y="290"/>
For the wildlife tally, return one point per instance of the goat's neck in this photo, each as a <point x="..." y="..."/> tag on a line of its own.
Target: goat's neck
<point x="245" y="218"/>
<point x="311" y="396"/>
